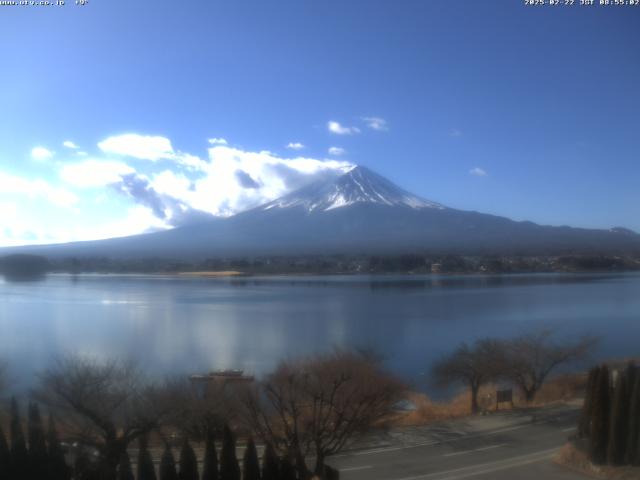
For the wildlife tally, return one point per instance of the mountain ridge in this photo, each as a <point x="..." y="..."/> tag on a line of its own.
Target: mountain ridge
<point x="358" y="211"/>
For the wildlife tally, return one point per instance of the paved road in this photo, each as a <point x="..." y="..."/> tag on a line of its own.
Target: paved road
<point x="515" y="447"/>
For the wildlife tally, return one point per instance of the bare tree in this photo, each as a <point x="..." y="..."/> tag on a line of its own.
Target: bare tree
<point x="104" y="404"/>
<point x="530" y="358"/>
<point x="319" y="405"/>
<point x="472" y="365"/>
<point x="198" y="411"/>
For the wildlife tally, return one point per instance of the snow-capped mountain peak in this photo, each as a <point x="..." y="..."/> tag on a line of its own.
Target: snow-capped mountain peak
<point x="356" y="185"/>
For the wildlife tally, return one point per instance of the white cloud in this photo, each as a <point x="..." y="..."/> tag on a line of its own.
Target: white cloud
<point x="137" y="219"/>
<point x="454" y="132"/>
<point x="338" y="129"/>
<point x="41" y="153"/>
<point x="187" y="190"/>
<point x="8" y="212"/>
<point x="337" y="151"/>
<point x="8" y="218"/>
<point x="478" y="172"/>
<point x="171" y="183"/>
<point x="61" y="197"/>
<point x="192" y="162"/>
<point x="234" y="180"/>
<point x="82" y="153"/>
<point x="95" y="173"/>
<point x="34" y="189"/>
<point x="14" y="230"/>
<point x="143" y="147"/>
<point x="376" y="123"/>
<point x="218" y="141"/>
<point x="70" y="144"/>
<point x="295" y="146"/>
<point x="230" y="181"/>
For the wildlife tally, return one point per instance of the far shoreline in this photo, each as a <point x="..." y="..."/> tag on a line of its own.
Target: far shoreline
<point x="239" y="274"/>
<point x="209" y="274"/>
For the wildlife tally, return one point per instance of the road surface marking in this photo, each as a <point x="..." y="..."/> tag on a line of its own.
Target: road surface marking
<point x="431" y="443"/>
<point x="496" y="468"/>
<point x="353" y="469"/>
<point x="482" y="449"/>
<point x="384" y="450"/>
<point x="568" y="429"/>
<point x="440" y="442"/>
<point x="473" y="470"/>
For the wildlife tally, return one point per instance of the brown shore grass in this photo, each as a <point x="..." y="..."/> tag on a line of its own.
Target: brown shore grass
<point x="561" y="389"/>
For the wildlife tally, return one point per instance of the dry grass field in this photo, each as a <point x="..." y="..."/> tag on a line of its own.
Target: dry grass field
<point x="563" y="388"/>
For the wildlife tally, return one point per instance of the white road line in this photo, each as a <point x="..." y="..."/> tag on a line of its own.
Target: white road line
<point x="383" y="450"/>
<point x="482" y="449"/>
<point x="570" y="429"/>
<point x="473" y="470"/>
<point x="497" y="468"/>
<point x="353" y="469"/>
<point x="439" y="442"/>
<point x="429" y="444"/>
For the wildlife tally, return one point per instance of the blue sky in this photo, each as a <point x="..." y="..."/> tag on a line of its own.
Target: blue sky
<point x="528" y="112"/>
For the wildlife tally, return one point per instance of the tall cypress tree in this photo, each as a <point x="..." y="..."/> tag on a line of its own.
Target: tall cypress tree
<point x="250" y="464"/>
<point x="631" y="372"/>
<point x="38" y="455"/>
<point x="633" y="442"/>
<point x="287" y="472"/>
<point x="5" y="456"/>
<point x="229" y="467"/>
<point x="188" y="462"/>
<point x="83" y="469"/>
<point x="270" y="464"/>
<point x="168" y="465"/>
<point x="601" y="406"/>
<point x="19" y="453"/>
<point x="58" y="468"/>
<point x="125" y="472"/>
<point x="618" y="425"/>
<point x="584" y="426"/>
<point x="210" y="467"/>
<point x="146" y="470"/>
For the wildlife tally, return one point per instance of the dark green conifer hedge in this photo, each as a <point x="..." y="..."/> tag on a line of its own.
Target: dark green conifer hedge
<point x="229" y="466"/>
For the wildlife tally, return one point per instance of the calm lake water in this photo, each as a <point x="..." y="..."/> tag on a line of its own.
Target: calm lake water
<point x="175" y="325"/>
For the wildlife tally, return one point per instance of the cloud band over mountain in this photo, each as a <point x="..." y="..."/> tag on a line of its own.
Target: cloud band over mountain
<point x="154" y="186"/>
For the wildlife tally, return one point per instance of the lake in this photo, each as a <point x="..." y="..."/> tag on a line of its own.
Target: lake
<point x="172" y="324"/>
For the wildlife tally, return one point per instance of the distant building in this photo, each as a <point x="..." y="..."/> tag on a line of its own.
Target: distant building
<point x="436" y="267"/>
<point x="224" y="376"/>
<point x="220" y="379"/>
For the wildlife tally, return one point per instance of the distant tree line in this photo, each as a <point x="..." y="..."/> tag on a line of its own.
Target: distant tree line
<point x="23" y="267"/>
<point x="526" y="361"/>
<point x="311" y="407"/>
<point x="610" y="419"/>
<point x="31" y="265"/>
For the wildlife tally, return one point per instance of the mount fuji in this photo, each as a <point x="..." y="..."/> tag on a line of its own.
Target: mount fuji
<point x="357" y="211"/>
<point x="356" y="185"/>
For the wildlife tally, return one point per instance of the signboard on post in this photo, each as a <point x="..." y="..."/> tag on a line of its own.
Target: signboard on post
<point x="504" y="396"/>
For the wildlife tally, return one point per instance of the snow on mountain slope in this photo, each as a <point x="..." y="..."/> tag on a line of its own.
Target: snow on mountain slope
<point x="357" y="185"/>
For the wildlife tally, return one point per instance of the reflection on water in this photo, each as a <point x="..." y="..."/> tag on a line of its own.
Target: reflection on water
<point x="171" y="324"/>
<point x="404" y="282"/>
